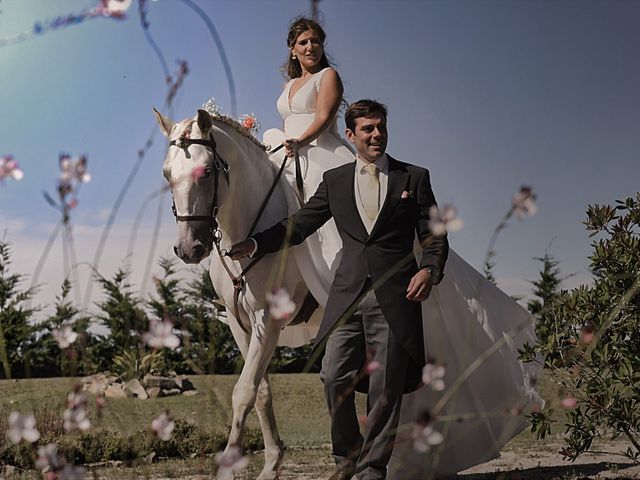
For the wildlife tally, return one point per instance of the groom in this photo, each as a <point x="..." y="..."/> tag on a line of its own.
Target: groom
<point x="372" y="323"/>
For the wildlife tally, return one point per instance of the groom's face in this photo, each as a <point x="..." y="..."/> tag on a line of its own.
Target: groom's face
<point x="369" y="137"/>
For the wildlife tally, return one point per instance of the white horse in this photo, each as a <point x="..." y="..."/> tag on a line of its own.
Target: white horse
<point x="219" y="176"/>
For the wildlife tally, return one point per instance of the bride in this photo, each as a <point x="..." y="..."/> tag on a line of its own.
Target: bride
<point x="472" y="329"/>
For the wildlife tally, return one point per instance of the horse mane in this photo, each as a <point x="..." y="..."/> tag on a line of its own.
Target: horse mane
<point x="238" y="127"/>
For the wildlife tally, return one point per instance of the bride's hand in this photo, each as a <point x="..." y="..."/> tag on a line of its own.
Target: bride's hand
<point x="291" y="147"/>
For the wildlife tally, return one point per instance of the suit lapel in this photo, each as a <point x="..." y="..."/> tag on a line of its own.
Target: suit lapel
<point x="396" y="184"/>
<point x="351" y="206"/>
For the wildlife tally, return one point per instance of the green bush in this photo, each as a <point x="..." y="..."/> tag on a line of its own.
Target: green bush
<point x="593" y="337"/>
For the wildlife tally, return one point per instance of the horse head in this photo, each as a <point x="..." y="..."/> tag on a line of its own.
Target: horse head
<point x="198" y="177"/>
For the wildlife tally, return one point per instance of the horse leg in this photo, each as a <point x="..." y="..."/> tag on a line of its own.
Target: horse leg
<point x="253" y="389"/>
<point x="273" y="446"/>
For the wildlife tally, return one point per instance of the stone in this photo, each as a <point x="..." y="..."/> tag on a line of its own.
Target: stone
<point x="135" y="389"/>
<point x="115" y="391"/>
<point x="153" y="392"/>
<point x="184" y="383"/>
<point x="190" y="393"/>
<point x="95" y="384"/>
<point x="164" y="383"/>
<point x="170" y="392"/>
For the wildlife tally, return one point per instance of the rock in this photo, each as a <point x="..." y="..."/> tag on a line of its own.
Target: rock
<point x="134" y="388"/>
<point x="115" y="391"/>
<point x="184" y="383"/>
<point x="170" y="392"/>
<point x="190" y="393"/>
<point x="164" y="383"/>
<point x="153" y="392"/>
<point x="95" y="384"/>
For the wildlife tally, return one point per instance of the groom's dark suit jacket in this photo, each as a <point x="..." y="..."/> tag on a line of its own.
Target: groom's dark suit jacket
<point x="385" y="256"/>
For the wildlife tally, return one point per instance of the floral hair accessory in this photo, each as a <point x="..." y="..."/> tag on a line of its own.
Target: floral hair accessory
<point x="250" y="122"/>
<point x="211" y="107"/>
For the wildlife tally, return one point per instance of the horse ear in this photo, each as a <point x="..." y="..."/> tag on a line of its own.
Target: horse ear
<point x="204" y="122"/>
<point x="165" y="124"/>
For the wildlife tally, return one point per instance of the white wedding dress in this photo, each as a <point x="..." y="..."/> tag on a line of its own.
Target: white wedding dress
<point x="466" y="319"/>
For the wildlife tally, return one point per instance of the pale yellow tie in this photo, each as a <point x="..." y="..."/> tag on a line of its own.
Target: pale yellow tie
<point x="371" y="192"/>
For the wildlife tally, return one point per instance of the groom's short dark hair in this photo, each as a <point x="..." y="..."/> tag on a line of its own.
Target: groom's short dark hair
<point x="363" y="108"/>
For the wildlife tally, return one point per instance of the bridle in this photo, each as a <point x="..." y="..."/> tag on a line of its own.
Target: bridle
<point x="220" y="166"/>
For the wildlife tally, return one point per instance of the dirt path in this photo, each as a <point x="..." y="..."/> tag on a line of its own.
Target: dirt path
<point x="534" y="462"/>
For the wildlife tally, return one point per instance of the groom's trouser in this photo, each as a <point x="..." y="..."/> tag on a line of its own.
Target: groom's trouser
<point x="366" y="333"/>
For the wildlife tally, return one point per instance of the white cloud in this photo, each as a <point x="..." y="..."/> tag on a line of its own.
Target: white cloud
<point x="27" y="242"/>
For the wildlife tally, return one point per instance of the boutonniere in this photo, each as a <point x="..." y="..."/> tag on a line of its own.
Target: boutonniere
<point x="407" y="194"/>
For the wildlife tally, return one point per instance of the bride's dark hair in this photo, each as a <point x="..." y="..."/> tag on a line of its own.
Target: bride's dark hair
<point x="298" y="26"/>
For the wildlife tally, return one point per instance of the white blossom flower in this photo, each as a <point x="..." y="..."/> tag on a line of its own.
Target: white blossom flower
<point x="76" y="416"/>
<point x="73" y="169"/>
<point x="433" y="375"/>
<point x="523" y="203"/>
<point x="229" y="462"/>
<point x="76" y="419"/>
<point x="65" y="336"/>
<point x="425" y="437"/>
<point x="161" y="335"/>
<point x="117" y="7"/>
<point x="48" y="458"/>
<point x="163" y="426"/>
<point x="443" y="220"/>
<point x="280" y="304"/>
<point x="10" y="168"/>
<point x="22" y="427"/>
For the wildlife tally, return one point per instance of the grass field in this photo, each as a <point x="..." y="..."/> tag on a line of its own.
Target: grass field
<point x="302" y="420"/>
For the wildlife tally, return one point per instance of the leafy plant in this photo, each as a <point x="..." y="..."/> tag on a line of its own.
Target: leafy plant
<point x="594" y="355"/>
<point x="136" y="364"/>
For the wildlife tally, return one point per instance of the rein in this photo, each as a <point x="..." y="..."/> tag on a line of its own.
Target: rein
<point x="220" y="165"/>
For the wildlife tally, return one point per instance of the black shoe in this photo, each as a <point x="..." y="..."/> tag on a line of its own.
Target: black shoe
<point x="343" y="473"/>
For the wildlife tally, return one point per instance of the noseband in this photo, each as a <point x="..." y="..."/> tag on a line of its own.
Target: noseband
<point x="219" y="165"/>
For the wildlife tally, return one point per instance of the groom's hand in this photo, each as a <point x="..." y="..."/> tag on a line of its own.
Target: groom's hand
<point x="242" y="249"/>
<point x="420" y="286"/>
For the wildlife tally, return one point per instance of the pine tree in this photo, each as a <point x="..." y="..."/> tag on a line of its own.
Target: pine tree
<point x="15" y="331"/>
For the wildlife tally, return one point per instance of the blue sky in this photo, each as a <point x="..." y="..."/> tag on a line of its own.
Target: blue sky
<point x="489" y="95"/>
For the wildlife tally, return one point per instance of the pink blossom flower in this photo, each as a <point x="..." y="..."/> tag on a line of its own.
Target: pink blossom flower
<point x="48" y="458"/>
<point x="371" y="365"/>
<point x="569" y="402"/>
<point x="10" y="168"/>
<point x="197" y="172"/>
<point x="229" y="462"/>
<point x="433" y="375"/>
<point x="523" y="203"/>
<point x="163" y="426"/>
<point x="425" y="437"/>
<point x="280" y="304"/>
<point x="76" y="419"/>
<point x="22" y="427"/>
<point x="65" y="336"/>
<point x="73" y="169"/>
<point x="443" y="220"/>
<point x="76" y="416"/>
<point x="161" y="335"/>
